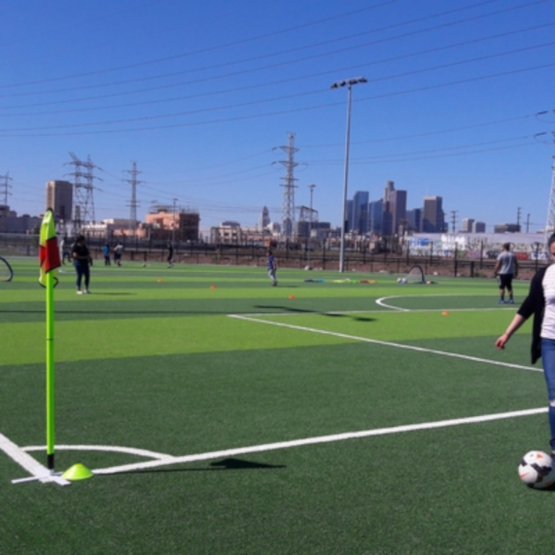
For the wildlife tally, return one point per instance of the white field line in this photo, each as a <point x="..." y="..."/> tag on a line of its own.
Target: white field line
<point x="394" y="310"/>
<point x="387" y="343"/>
<point x="31" y="465"/>
<point x="129" y="450"/>
<point x="381" y="302"/>
<point x="316" y="440"/>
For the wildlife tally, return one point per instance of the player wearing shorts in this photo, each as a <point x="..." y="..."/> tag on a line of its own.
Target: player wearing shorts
<point x="505" y="269"/>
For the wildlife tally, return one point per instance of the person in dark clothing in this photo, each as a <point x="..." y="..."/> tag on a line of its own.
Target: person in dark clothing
<point x="170" y="255"/>
<point x="272" y="268"/>
<point x="82" y="260"/>
<point x="540" y="303"/>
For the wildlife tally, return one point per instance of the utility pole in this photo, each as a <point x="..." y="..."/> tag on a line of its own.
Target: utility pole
<point x="311" y="187"/>
<point x="6" y="187"/>
<point x="173" y="226"/>
<point x="527" y="223"/>
<point x="288" y="211"/>
<point x="518" y="211"/>
<point x="133" y="204"/>
<point x="83" y="186"/>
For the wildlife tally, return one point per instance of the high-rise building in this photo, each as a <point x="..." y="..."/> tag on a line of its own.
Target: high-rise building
<point x="398" y="209"/>
<point x="360" y="212"/>
<point x="478" y="227"/>
<point x="264" y="220"/>
<point x="375" y="217"/>
<point x="349" y="222"/>
<point x="59" y="197"/>
<point x="433" y="217"/>
<point x="414" y="219"/>
<point x="395" y="209"/>
<point x="467" y="224"/>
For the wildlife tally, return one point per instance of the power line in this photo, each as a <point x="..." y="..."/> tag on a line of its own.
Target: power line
<point x="260" y="85"/>
<point x="18" y="132"/>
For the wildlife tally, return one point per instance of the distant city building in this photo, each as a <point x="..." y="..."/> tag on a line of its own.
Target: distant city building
<point x="10" y="222"/>
<point x="360" y="213"/>
<point x="506" y="228"/>
<point x="467" y="224"/>
<point x="274" y="228"/>
<point x="375" y="217"/>
<point x="433" y="217"/>
<point x="59" y="197"/>
<point x="478" y="227"/>
<point x="228" y="233"/>
<point x="307" y="219"/>
<point x="182" y="225"/>
<point x="414" y="220"/>
<point x="349" y="216"/>
<point x="387" y="216"/>
<point x="264" y="220"/>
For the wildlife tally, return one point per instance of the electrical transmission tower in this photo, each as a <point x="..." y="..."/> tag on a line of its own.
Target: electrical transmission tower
<point x="288" y="211"/>
<point x="550" y="223"/>
<point x="133" y="203"/>
<point x="5" y="186"/>
<point x="83" y="186"/>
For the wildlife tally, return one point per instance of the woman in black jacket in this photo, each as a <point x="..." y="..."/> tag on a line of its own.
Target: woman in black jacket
<point x="541" y="303"/>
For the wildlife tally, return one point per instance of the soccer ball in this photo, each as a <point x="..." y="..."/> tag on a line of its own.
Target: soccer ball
<point x="536" y="470"/>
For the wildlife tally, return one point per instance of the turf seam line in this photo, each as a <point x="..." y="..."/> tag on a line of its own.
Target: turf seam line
<point x="387" y="343"/>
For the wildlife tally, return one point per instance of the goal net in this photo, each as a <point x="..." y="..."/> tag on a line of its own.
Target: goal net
<point x="415" y="275"/>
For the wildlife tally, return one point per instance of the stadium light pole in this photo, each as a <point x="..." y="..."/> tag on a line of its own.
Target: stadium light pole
<point x="349" y="84"/>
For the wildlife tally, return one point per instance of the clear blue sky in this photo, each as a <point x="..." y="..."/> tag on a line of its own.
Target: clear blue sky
<point x="201" y="95"/>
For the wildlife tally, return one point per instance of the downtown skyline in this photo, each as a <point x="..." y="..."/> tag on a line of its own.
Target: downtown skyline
<point x="457" y="104"/>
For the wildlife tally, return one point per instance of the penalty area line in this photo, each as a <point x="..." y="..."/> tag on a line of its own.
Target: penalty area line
<point x="317" y="440"/>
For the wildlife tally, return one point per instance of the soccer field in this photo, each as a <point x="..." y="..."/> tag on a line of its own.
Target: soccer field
<point x="222" y="415"/>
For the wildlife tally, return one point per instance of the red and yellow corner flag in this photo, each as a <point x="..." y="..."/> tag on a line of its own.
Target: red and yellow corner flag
<point x="49" y="254"/>
<point x="49" y="257"/>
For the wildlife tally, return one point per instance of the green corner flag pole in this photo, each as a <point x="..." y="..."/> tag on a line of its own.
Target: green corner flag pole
<point x="49" y="258"/>
<point x="50" y="399"/>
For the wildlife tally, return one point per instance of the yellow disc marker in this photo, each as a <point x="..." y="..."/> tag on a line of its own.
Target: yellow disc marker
<point x="77" y="472"/>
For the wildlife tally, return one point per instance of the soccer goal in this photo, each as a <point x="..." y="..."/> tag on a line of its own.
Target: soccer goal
<point x="415" y="275"/>
<point x="6" y="272"/>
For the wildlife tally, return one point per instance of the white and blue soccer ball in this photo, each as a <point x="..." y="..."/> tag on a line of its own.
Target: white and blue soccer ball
<point x="536" y="470"/>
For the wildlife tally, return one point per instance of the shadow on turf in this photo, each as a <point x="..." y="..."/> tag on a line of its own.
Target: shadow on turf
<point x="308" y="311"/>
<point x="225" y="464"/>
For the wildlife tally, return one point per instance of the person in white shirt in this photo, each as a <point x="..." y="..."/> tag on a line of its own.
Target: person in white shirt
<point x="540" y="302"/>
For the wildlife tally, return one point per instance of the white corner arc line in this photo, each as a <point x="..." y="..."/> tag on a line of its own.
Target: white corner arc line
<point x="317" y="440"/>
<point x="387" y="343"/>
<point x="108" y="448"/>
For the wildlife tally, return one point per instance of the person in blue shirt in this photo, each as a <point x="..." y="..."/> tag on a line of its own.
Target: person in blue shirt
<point x="106" y="253"/>
<point x="272" y="268"/>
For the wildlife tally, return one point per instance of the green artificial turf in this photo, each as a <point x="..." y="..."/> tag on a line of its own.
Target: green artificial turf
<point x="164" y="367"/>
